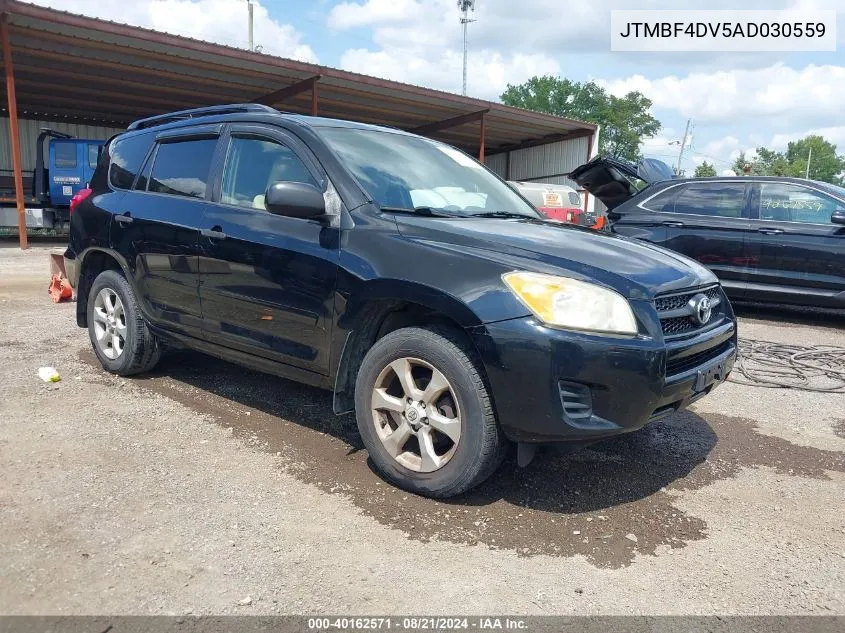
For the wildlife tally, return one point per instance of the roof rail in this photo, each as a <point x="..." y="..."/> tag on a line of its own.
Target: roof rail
<point x="234" y="108"/>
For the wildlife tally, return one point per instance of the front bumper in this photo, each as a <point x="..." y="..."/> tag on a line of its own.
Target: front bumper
<point x="550" y="385"/>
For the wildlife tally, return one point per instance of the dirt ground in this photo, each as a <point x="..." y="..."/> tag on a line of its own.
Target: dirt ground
<point x="205" y="488"/>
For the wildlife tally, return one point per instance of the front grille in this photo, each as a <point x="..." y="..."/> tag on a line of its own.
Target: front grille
<point x="673" y="302"/>
<point x="677" y="315"/>
<point x="678" y="325"/>
<point x="685" y="363"/>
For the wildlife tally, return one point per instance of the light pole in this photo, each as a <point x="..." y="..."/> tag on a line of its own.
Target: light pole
<point x="249" y="28"/>
<point x="465" y="7"/>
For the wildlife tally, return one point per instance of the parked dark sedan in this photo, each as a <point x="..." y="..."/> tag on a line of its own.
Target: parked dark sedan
<point x="768" y="239"/>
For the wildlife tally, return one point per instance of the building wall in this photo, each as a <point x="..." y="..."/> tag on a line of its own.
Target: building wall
<point x="29" y="131"/>
<point x="546" y="163"/>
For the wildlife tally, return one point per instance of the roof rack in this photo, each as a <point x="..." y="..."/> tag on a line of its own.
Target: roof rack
<point x="181" y="115"/>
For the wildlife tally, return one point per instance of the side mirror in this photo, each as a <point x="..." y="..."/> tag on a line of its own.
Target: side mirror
<point x="838" y="216"/>
<point x="294" y="200"/>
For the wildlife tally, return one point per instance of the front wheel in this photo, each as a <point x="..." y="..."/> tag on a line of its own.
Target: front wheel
<point x="425" y="414"/>
<point x="119" y="335"/>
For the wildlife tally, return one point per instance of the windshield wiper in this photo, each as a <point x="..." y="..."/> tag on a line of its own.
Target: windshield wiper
<point x="428" y="211"/>
<point x="501" y="214"/>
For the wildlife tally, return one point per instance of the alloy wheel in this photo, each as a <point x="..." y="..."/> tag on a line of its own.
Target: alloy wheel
<point x="109" y="323"/>
<point x="416" y="414"/>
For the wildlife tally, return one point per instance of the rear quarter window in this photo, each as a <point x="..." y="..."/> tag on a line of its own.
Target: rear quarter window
<point x="126" y="155"/>
<point x="663" y="201"/>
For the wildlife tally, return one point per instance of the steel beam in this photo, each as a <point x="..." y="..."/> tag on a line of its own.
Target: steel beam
<point x="13" y="129"/>
<point x="277" y="96"/>
<point x="455" y="121"/>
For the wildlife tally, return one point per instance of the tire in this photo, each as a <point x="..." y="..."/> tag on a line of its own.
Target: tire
<point x="140" y="350"/>
<point x="480" y="446"/>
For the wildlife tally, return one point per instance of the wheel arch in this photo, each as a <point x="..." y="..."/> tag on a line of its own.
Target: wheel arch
<point x="383" y="307"/>
<point x="92" y="262"/>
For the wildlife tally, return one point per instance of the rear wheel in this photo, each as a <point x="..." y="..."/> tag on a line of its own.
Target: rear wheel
<point x="425" y="414"/>
<point x="119" y="335"/>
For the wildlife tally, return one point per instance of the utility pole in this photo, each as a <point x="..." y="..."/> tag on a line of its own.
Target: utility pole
<point x="249" y="11"/>
<point x="465" y="6"/>
<point x="809" y="157"/>
<point x="683" y="145"/>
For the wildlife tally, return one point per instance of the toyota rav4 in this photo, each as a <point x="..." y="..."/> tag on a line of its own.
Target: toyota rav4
<point x="395" y="271"/>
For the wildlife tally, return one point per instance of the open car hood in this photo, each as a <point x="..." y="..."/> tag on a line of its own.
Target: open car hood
<point x="613" y="180"/>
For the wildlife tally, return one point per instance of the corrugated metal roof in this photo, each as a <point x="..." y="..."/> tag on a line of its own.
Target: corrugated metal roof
<point x="79" y="67"/>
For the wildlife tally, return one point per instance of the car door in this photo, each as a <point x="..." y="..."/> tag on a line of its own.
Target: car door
<point x="800" y="251"/>
<point x="66" y="158"/>
<point x="156" y="227"/>
<point x="267" y="281"/>
<point x="708" y="221"/>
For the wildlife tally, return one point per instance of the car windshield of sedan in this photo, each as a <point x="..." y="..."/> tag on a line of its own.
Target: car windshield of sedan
<point x="400" y="171"/>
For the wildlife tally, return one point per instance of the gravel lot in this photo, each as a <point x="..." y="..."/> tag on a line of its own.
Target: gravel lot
<point x="205" y="488"/>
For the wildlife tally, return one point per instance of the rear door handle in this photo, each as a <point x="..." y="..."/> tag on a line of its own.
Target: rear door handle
<point x="770" y="231"/>
<point x="124" y="219"/>
<point x="215" y="233"/>
<point x="673" y="224"/>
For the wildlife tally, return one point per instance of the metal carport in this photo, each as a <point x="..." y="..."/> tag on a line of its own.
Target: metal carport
<point x="67" y="67"/>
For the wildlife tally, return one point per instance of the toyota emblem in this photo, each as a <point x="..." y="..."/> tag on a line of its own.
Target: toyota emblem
<point x="702" y="309"/>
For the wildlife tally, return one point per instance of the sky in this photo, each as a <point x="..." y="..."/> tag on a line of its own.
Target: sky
<point x="736" y="102"/>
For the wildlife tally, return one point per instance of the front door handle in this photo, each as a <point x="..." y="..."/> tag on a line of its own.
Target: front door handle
<point x="767" y="231"/>
<point x="124" y="219"/>
<point x="673" y="224"/>
<point x="215" y="233"/>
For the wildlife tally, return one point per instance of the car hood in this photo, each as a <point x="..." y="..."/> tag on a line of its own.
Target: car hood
<point x="635" y="269"/>
<point x="613" y="181"/>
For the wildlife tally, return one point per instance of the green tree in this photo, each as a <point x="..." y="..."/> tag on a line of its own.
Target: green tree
<point x="705" y="169"/>
<point x="825" y="164"/>
<point x="625" y="121"/>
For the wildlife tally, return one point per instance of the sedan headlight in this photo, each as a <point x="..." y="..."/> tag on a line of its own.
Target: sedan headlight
<point x="569" y="303"/>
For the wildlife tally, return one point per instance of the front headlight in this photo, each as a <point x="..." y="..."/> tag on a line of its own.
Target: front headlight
<point x="574" y="304"/>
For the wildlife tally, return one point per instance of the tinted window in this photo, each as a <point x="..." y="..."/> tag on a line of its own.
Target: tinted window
<point x="182" y="168"/>
<point x="93" y="155"/>
<point x="793" y="203"/>
<point x="126" y="156"/>
<point x="663" y="201"/>
<point x="253" y="164"/>
<point x="65" y="155"/>
<point x="725" y="200"/>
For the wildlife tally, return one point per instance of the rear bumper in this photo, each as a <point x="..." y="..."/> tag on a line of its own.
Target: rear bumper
<point x="550" y="385"/>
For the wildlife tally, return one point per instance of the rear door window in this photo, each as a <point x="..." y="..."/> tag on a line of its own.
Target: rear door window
<point x="182" y="168"/>
<point x="126" y="156"/>
<point x="718" y="199"/>
<point x="794" y="203"/>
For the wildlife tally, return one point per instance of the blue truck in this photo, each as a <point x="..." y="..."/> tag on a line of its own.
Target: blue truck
<point x="63" y="166"/>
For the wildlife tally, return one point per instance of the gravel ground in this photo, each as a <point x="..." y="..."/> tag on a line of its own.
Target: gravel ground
<point x="205" y="488"/>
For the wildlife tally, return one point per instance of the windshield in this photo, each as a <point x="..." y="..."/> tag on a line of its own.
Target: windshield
<point x="406" y="172"/>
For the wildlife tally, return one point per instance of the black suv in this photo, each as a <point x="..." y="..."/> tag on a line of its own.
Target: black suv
<point x="396" y="271"/>
<point x="768" y="239"/>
